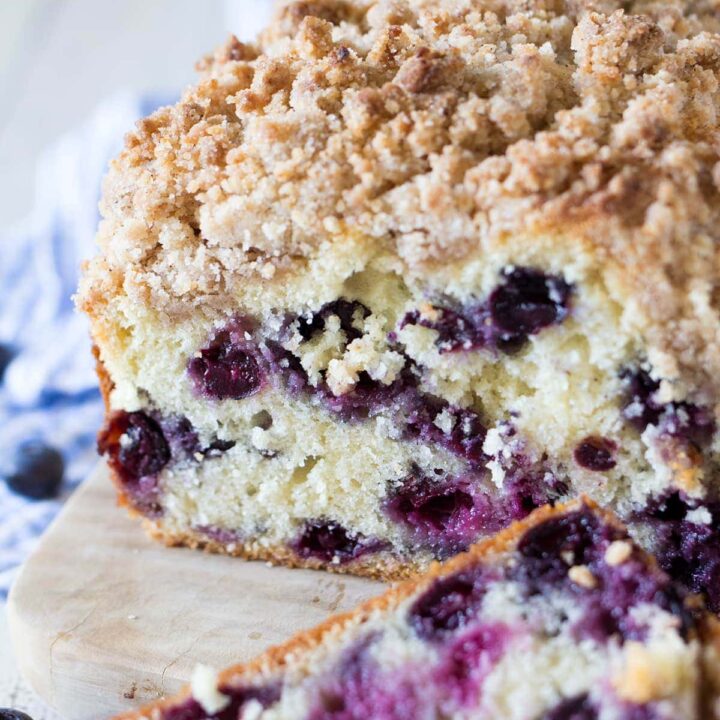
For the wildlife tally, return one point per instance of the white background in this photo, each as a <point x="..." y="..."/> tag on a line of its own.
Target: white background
<point x="60" y="58"/>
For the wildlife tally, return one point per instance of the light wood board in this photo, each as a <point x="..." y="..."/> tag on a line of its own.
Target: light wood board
<point x="103" y="619"/>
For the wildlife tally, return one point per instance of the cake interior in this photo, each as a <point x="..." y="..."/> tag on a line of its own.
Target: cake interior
<point x="346" y="414"/>
<point x="568" y="620"/>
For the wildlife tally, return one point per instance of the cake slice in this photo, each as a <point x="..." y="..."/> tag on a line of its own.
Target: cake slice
<point x="399" y="272"/>
<point x="560" y="617"/>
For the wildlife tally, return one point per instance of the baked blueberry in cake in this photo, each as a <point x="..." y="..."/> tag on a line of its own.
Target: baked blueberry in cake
<point x="399" y="272"/>
<point x="560" y="617"/>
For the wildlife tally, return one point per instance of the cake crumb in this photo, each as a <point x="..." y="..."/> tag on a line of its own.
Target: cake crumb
<point x="203" y="685"/>
<point x="699" y="516"/>
<point x="252" y="710"/>
<point x="582" y="575"/>
<point x="618" y="552"/>
<point x="650" y="673"/>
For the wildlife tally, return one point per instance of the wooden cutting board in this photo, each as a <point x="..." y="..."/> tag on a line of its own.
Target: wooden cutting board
<point x="103" y="619"/>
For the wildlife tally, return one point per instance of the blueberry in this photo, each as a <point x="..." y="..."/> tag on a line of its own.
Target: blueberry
<point x="542" y="548"/>
<point x="226" y="371"/>
<point x="596" y="453"/>
<point x="524" y="303"/>
<point x="528" y="301"/>
<point x="640" y="407"/>
<point x="135" y="445"/>
<point x="469" y="659"/>
<point x="346" y="310"/>
<point x="10" y="714"/>
<point x="578" y="707"/>
<point x="37" y="470"/>
<point x="440" y="512"/>
<point x="448" y="603"/>
<point x="230" y="367"/>
<point x="683" y="420"/>
<point x="6" y="356"/>
<point x="686" y="549"/>
<point x="328" y="540"/>
<point x="325" y="541"/>
<point x="191" y="709"/>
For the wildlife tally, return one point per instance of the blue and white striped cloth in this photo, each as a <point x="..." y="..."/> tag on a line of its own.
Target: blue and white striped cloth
<point x="50" y="388"/>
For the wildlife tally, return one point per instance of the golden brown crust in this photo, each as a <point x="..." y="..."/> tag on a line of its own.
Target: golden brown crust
<point x="441" y="129"/>
<point x="711" y="668"/>
<point x="275" y="658"/>
<point x="380" y="566"/>
<point x="104" y="380"/>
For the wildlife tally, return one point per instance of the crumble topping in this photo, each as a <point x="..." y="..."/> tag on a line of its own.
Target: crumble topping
<point x="618" y="552"/>
<point x="582" y="575"/>
<point x="654" y="671"/>
<point x="439" y="129"/>
<point x="204" y="689"/>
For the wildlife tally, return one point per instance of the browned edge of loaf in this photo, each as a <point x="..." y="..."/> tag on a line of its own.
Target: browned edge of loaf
<point x="380" y="566"/>
<point x="710" y="630"/>
<point x="275" y="658"/>
<point x="377" y="566"/>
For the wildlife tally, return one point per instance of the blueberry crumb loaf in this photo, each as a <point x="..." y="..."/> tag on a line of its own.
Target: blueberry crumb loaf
<point x="560" y="617"/>
<point x="402" y="271"/>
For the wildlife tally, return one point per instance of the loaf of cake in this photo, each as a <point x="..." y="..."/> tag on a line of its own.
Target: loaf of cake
<point x="402" y="271"/>
<point x="559" y="617"/>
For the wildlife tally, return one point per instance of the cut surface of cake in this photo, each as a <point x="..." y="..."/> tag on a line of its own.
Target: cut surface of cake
<point x="399" y="272"/>
<point x="559" y="617"/>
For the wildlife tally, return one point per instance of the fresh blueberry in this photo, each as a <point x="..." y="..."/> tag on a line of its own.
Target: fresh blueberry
<point x="6" y="356"/>
<point x="37" y="471"/>
<point x="11" y="714"/>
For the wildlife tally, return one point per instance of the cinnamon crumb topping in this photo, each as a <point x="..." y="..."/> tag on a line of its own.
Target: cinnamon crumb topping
<point x="439" y="128"/>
